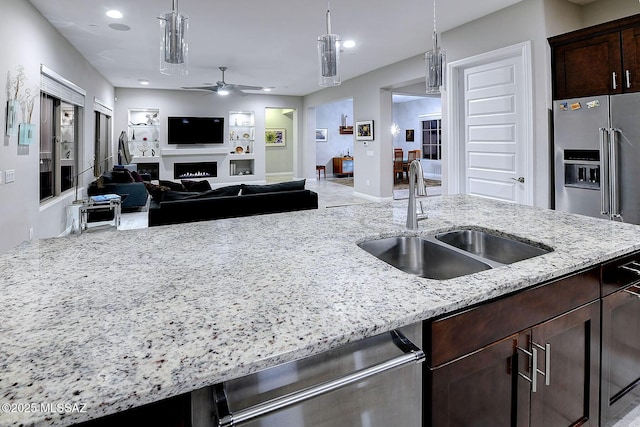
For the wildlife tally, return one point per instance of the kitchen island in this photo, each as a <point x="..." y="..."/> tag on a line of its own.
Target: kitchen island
<point x="114" y="320"/>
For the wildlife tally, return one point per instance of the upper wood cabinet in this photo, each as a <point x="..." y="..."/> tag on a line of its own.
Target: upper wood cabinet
<point x="599" y="60"/>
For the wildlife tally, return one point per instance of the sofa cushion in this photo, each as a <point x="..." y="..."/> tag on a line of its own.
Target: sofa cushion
<point x="175" y="186"/>
<point x="272" y="188"/>
<point x="121" y="176"/>
<point x="170" y="195"/>
<point x="190" y="185"/>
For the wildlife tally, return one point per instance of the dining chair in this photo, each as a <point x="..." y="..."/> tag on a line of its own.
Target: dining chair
<point x="411" y="156"/>
<point x="398" y="169"/>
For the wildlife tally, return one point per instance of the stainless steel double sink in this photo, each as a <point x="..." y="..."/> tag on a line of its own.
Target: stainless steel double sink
<point x="453" y="253"/>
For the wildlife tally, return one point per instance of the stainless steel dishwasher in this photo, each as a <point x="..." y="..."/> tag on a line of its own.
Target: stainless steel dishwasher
<point x="375" y="382"/>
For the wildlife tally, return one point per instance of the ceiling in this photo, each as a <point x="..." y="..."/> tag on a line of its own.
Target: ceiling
<point x="263" y="43"/>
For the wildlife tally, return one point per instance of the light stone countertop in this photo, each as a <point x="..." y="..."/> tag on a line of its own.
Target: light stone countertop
<point x="112" y="320"/>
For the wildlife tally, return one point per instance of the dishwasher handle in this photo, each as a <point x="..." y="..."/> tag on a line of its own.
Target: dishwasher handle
<point x="412" y="354"/>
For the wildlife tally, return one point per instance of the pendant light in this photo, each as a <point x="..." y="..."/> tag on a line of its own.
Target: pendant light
<point x="173" y="42"/>
<point x="329" y="55"/>
<point x="435" y="62"/>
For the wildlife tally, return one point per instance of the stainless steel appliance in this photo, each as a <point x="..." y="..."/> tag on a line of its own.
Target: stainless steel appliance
<point x="376" y="382"/>
<point x="597" y="156"/>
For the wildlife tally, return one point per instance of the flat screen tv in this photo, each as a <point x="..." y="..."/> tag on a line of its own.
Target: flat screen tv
<point x="196" y="130"/>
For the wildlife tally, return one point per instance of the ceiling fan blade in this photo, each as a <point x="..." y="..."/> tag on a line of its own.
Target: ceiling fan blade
<point x="245" y="87"/>
<point x="209" y="88"/>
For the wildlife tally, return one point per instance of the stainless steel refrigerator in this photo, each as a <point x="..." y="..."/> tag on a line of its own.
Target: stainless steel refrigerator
<point x="597" y="156"/>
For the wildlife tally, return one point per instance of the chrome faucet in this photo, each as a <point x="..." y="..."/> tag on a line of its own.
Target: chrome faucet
<point x="415" y="172"/>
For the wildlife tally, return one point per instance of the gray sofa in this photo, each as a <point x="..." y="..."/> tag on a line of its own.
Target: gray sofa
<point x="124" y="184"/>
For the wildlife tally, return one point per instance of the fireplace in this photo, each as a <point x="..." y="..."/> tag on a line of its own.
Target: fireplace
<point x="195" y="170"/>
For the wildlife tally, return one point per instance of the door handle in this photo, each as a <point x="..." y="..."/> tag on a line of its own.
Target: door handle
<point x="519" y="179"/>
<point x="226" y="418"/>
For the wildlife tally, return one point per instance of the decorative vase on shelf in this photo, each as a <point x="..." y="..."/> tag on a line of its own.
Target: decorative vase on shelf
<point x="12" y="108"/>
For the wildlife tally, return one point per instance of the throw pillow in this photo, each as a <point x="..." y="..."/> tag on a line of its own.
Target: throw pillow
<point x="156" y="191"/>
<point x="136" y="176"/>
<point x="231" y="190"/>
<point x="272" y="188"/>
<point x="196" y="185"/>
<point x="175" y="186"/>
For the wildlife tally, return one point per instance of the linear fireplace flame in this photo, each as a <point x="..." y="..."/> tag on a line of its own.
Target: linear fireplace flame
<point x="195" y="170"/>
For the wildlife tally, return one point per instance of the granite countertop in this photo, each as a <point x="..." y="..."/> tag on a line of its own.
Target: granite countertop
<point x="103" y="322"/>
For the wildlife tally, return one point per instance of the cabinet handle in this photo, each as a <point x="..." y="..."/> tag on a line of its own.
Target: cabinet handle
<point x="615" y="85"/>
<point x="533" y="354"/>
<point x="633" y="267"/>
<point x="635" y="292"/>
<point x="547" y="362"/>
<point x="628" y="74"/>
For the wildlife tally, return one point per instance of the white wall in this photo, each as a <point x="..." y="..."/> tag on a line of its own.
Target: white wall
<point x="29" y="40"/>
<point x="198" y="103"/>
<point x="602" y="11"/>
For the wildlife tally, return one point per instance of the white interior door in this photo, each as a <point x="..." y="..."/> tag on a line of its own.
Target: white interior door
<point x="494" y="99"/>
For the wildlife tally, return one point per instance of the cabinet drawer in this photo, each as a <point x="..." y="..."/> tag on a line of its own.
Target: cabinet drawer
<point x="454" y="336"/>
<point x="620" y="273"/>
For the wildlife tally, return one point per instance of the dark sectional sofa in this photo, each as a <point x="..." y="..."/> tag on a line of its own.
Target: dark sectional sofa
<point x="171" y="205"/>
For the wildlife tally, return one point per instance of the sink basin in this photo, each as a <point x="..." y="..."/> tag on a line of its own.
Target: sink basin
<point x="423" y="258"/>
<point x="496" y="248"/>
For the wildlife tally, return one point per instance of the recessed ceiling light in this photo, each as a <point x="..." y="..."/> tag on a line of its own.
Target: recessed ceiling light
<point x="349" y="44"/>
<point x="144" y="82"/>
<point x="115" y="14"/>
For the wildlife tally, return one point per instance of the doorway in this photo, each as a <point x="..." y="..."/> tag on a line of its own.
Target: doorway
<point x="280" y="142"/>
<point x="416" y="133"/>
<point x="490" y="145"/>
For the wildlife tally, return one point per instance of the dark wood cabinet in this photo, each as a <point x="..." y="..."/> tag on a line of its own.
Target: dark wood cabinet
<point x="620" y="337"/>
<point x="599" y="60"/>
<point x="475" y="379"/>
<point x="343" y="166"/>
<point x="568" y="392"/>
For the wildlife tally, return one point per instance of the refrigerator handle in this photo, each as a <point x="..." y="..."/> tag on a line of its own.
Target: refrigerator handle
<point x="604" y="173"/>
<point x="614" y="205"/>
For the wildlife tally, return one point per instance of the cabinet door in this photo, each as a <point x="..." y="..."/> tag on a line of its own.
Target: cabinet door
<point x="620" y="351"/>
<point x="631" y="59"/>
<point x="587" y="67"/>
<point x="572" y="396"/>
<point x="480" y="389"/>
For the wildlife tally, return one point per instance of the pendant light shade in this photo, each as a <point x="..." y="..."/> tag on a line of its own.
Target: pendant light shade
<point x="173" y="42"/>
<point x="435" y="61"/>
<point x="329" y="56"/>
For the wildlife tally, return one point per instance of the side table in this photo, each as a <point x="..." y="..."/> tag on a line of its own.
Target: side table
<point x="101" y="203"/>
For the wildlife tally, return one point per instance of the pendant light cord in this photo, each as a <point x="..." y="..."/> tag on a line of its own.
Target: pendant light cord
<point x="328" y="17"/>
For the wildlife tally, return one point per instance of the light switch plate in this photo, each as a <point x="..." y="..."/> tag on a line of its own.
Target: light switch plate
<point x="10" y="176"/>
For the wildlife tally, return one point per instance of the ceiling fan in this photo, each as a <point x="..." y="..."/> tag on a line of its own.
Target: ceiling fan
<point x="224" y="88"/>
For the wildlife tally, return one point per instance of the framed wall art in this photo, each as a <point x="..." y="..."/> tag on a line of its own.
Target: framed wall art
<point x="321" y="135"/>
<point x="410" y="136"/>
<point x="364" y="130"/>
<point x="274" y="137"/>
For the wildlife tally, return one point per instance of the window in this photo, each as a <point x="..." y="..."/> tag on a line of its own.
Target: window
<point x="61" y="112"/>
<point x="432" y="139"/>
<point x="58" y="146"/>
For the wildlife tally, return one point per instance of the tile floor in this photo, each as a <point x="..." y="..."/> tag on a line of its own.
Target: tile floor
<point x="331" y="194"/>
